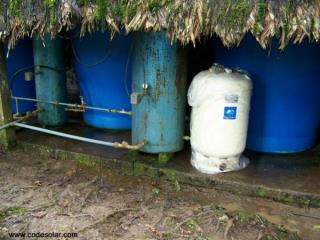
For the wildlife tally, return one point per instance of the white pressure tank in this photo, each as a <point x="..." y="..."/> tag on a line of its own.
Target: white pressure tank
<point x="220" y="101"/>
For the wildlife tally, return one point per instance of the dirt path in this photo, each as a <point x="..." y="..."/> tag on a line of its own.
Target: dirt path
<point x="41" y="195"/>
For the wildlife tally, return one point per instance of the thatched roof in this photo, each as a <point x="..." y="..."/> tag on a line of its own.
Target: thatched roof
<point x="184" y="20"/>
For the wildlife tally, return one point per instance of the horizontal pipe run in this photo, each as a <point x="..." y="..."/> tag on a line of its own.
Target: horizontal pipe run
<point x="82" y="139"/>
<point x="24" y="118"/>
<point x="2" y="127"/>
<point x="28" y="115"/>
<point x="74" y="105"/>
<point x="115" y="145"/>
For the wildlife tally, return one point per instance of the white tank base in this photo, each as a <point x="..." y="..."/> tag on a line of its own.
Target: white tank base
<point x="214" y="165"/>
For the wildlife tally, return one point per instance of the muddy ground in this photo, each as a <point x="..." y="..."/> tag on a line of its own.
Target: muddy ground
<point x="47" y="195"/>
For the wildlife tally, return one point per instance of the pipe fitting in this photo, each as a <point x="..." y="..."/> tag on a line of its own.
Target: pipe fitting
<point x="126" y="145"/>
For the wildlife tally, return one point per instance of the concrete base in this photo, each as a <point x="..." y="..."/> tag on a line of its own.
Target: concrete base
<point x="291" y="179"/>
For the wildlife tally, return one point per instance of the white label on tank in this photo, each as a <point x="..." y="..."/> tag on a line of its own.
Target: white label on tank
<point x="231" y="98"/>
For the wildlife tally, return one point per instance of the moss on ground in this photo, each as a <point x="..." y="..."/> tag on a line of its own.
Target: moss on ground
<point x="85" y="160"/>
<point x="260" y="192"/>
<point x="7" y="212"/>
<point x="246" y="217"/>
<point x="164" y="158"/>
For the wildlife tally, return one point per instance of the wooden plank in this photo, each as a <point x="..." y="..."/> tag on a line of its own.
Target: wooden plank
<point x="7" y="136"/>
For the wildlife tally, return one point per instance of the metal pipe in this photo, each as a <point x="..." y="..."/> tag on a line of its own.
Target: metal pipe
<point x="74" y="105"/>
<point x="82" y="139"/>
<point x="24" y="118"/>
<point x="28" y="115"/>
<point x="187" y="138"/>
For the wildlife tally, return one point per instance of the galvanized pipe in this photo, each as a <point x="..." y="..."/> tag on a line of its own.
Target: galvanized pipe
<point x="24" y="118"/>
<point x="28" y="115"/>
<point x="82" y="139"/>
<point x="74" y="105"/>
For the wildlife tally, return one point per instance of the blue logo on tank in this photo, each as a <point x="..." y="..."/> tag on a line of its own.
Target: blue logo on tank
<point x="230" y="113"/>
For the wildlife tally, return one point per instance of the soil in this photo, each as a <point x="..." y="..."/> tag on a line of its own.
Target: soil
<point x="41" y="195"/>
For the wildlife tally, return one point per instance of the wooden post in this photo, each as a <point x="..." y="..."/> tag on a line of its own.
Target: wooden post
<point x="7" y="136"/>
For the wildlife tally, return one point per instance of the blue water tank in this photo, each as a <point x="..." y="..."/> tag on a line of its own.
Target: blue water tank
<point x="285" y="111"/>
<point x="103" y="70"/>
<point x="20" y="74"/>
<point x="159" y="71"/>
<point x="50" y="75"/>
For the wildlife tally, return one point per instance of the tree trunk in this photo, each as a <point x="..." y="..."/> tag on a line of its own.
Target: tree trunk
<point x="7" y="136"/>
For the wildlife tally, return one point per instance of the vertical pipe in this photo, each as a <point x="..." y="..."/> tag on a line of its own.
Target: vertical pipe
<point x="7" y="136"/>
<point x="158" y="116"/>
<point x="50" y="79"/>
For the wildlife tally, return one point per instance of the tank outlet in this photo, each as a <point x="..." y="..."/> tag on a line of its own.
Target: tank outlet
<point x="136" y="97"/>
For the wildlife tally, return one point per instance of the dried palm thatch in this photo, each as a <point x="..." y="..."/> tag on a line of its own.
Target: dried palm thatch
<point x="184" y="20"/>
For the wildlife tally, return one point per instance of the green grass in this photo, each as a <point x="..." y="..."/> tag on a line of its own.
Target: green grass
<point x="246" y="217"/>
<point x="11" y="211"/>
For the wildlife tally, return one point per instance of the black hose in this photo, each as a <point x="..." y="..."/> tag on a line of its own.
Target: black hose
<point x="16" y="73"/>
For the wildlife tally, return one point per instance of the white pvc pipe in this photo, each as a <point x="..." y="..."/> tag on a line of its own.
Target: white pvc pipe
<point x="82" y="139"/>
<point x="6" y="125"/>
<point x="110" y="110"/>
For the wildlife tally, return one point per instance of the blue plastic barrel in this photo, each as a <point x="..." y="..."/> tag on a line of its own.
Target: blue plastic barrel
<point x="20" y="63"/>
<point x="159" y="82"/>
<point x="50" y="79"/>
<point x="103" y="71"/>
<point x="285" y="111"/>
